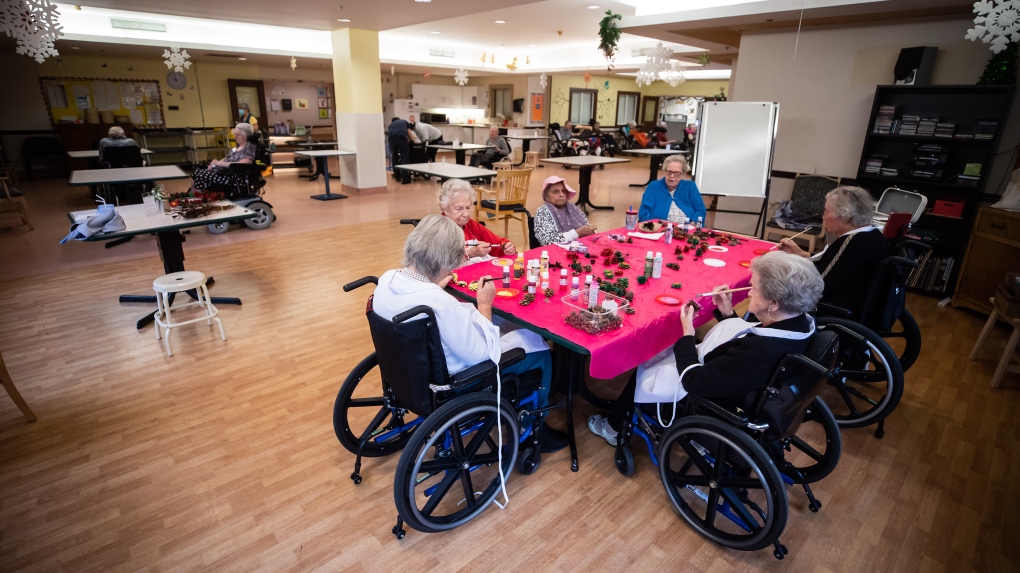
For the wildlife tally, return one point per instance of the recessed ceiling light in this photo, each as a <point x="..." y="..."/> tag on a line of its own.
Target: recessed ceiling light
<point x="423" y="1"/>
<point x="75" y="47"/>
<point x="343" y="20"/>
<point x="243" y="59"/>
<point x="501" y="21"/>
<point x="532" y="45"/>
<point x="593" y="7"/>
<point x="435" y="32"/>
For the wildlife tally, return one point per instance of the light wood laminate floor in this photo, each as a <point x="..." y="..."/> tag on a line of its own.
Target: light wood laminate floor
<point x="223" y="457"/>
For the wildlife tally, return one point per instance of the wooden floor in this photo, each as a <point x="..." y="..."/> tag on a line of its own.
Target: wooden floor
<point x="223" y="457"/>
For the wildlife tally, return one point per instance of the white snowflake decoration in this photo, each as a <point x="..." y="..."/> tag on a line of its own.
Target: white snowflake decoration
<point x="177" y="59"/>
<point x="997" y="23"/>
<point x="675" y="75"/>
<point x="660" y="61"/>
<point x="293" y="63"/>
<point x="543" y="80"/>
<point x="461" y="77"/>
<point x="33" y="24"/>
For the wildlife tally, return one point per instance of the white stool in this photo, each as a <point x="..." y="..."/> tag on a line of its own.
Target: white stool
<point x="180" y="282"/>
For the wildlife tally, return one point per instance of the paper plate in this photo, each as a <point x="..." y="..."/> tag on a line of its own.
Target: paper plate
<point x="668" y="300"/>
<point x="507" y="292"/>
<point x="717" y="248"/>
<point x="745" y="263"/>
<point x="503" y="262"/>
<point x="714" y="262"/>
<point x="761" y="251"/>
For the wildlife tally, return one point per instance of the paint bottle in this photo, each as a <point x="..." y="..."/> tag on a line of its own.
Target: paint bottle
<point x="649" y="262"/>
<point x="544" y="264"/>
<point x="657" y="266"/>
<point x="575" y="288"/>
<point x="563" y="279"/>
<point x="593" y="295"/>
<point x="531" y="284"/>
<point x="506" y="276"/>
<point x="669" y="233"/>
<point x="545" y="280"/>
<point x="700" y="224"/>
<point x="519" y="266"/>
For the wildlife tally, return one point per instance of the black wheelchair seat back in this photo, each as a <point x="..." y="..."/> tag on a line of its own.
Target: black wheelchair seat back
<point x="410" y="358"/>
<point x="794" y="385"/>
<point x="123" y="156"/>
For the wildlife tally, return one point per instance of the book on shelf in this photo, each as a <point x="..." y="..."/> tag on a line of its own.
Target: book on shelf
<point x="972" y="169"/>
<point x="885" y="121"/>
<point x="927" y="126"/>
<point x="984" y="128"/>
<point x="945" y="129"/>
<point x="908" y="124"/>
<point x="932" y="273"/>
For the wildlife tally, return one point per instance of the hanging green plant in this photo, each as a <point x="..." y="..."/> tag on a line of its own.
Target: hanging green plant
<point x="609" y="36"/>
<point x="704" y="60"/>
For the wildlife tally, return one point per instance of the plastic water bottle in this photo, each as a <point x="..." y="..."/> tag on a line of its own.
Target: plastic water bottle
<point x="657" y="266"/>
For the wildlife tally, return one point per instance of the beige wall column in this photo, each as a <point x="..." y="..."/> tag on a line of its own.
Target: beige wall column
<point x="359" y="119"/>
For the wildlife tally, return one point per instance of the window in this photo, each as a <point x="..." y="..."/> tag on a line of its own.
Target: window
<point x="626" y="107"/>
<point x="583" y="105"/>
<point x="502" y="101"/>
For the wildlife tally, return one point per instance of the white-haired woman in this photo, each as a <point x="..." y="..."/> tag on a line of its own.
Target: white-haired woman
<point x="848" y="262"/>
<point x="216" y="172"/>
<point x="674" y="196"/>
<point x="115" y="138"/>
<point x="558" y="220"/>
<point x="737" y="357"/>
<point x="456" y="199"/>
<point x="432" y="251"/>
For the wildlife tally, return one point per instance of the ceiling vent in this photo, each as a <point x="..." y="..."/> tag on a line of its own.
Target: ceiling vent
<point x="228" y="56"/>
<point x="137" y="25"/>
<point x="442" y="54"/>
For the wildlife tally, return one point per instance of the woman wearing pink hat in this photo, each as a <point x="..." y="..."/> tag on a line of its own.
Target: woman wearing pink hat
<point x="558" y="220"/>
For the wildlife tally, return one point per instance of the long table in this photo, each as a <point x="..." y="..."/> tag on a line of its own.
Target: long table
<point x="94" y="153"/>
<point x="585" y="164"/>
<point x="460" y="151"/>
<point x="656" y="157"/>
<point x="446" y="171"/>
<point x="654" y="326"/>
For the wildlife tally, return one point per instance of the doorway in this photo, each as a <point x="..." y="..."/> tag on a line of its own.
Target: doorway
<point x="649" y="112"/>
<point x="250" y="92"/>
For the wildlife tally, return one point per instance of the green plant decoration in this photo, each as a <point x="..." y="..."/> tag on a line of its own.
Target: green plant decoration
<point x="704" y="60"/>
<point x="609" y="36"/>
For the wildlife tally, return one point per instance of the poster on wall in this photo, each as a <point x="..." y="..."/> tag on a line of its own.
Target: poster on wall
<point x="537" y="108"/>
<point x="286" y="104"/>
<point x="325" y="113"/>
<point x="301" y="104"/>
<point x="323" y="102"/>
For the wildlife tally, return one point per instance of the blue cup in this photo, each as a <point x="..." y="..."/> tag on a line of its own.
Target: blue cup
<point x="104" y="208"/>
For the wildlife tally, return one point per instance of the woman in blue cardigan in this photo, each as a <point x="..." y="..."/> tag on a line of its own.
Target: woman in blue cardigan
<point x="672" y="196"/>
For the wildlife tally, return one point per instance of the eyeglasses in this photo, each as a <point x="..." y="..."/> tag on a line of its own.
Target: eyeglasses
<point x="674" y="173"/>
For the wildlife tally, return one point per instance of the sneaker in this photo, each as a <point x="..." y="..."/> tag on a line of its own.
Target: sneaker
<point x="599" y="425"/>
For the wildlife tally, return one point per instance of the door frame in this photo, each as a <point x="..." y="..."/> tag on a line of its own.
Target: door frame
<point x="257" y="84"/>
<point x="644" y="105"/>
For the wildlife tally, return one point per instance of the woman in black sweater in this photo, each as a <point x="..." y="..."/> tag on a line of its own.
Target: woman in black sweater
<point x="736" y="357"/>
<point x="848" y="263"/>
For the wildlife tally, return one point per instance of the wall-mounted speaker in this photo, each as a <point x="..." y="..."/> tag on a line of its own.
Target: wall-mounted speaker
<point x="914" y="66"/>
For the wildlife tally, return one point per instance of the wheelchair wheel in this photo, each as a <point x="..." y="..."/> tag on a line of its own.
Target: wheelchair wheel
<point x="722" y="483"/>
<point x="624" y="458"/>
<point x="905" y="339"/>
<point x="361" y="408"/>
<point x="870" y="384"/>
<point x="528" y="460"/>
<point x="263" y="216"/>
<point x="817" y="446"/>
<point x="219" y="228"/>
<point x="449" y="471"/>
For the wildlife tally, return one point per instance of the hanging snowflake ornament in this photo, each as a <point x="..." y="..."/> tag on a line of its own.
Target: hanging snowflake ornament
<point x="997" y="23"/>
<point x="177" y="59"/>
<point x="427" y="74"/>
<point x="659" y="62"/>
<point x="587" y="78"/>
<point x="34" y="24"/>
<point x="543" y="80"/>
<point x="461" y="77"/>
<point x="293" y="63"/>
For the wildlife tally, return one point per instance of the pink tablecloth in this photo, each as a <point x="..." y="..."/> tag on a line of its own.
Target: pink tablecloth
<point x="654" y="326"/>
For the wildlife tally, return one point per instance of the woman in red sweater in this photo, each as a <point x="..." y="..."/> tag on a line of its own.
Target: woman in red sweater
<point x="455" y="201"/>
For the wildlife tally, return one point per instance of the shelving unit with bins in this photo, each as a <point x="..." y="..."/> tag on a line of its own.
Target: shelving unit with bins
<point x="168" y="146"/>
<point x="206" y="144"/>
<point x="963" y="106"/>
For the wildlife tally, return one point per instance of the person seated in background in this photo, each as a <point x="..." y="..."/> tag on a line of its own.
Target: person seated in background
<point x="736" y="358"/>
<point x="566" y="132"/>
<point x="456" y="198"/>
<point x="674" y="196"/>
<point x="115" y="138"/>
<point x="468" y="336"/>
<point x="607" y="140"/>
<point x="216" y="172"/>
<point x="661" y="139"/>
<point x="245" y="112"/>
<point x="490" y="156"/>
<point x="848" y="262"/>
<point x="558" y="220"/>
<point x="627" y="129"/>
<point x="427" y="134"/>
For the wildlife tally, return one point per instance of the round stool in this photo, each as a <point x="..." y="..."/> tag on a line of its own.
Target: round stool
<point x="181" y="282"/>
<point x="531" y="159"/>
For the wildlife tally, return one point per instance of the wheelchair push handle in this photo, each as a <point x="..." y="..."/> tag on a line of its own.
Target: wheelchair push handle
<point x="412" y="222"/>
<point x="360" y="283"/>
<point x="409" y="314"/>
<point x="811" y="364"/>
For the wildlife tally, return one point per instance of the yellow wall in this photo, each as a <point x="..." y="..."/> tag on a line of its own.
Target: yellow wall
<point x="356" y="60"/>
<point x="559" y="105"/>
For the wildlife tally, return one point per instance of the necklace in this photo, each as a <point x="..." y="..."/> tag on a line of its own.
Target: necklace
<point x="415" y="275"/>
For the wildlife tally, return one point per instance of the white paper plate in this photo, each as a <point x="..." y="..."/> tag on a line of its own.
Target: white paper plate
<point x="714" y="262"/>
<point x="717" y="248"/>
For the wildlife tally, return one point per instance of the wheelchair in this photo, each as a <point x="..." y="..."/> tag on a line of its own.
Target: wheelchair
<point x="460" y="444"/>
<point x="726" y="470"/>
<point x="871" y="380"/>
<point x="248" y="190"/>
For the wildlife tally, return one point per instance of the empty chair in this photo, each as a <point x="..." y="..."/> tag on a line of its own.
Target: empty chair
<point x="165" y="286"/>
<point x="9" y="195"/>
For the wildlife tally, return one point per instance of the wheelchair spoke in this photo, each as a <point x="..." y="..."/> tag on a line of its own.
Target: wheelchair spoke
<point x="440" y="492"/>
<point x="740" y="506"/>
<point x="807" y="449"/>
<point x="712" y="506"/>
<point x="739" y="482"/>
<point x="694" y="455"/>
<point x="857" y="393"/>
<point x="435" y="466"/>
<point x="481" y="436"/>
<point x="845" y="395"/>
<point x="364" y="402"/>
<point x="465" y="476"/>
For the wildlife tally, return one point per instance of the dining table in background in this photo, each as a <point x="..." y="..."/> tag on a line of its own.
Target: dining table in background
<point x="526" y="144"/>
<point x="321" y="157"/>
<point x="655" y="159"/>
<point x="445" y="171"/>
<point x="460" y="151"/>
<point x="585" y="165"/>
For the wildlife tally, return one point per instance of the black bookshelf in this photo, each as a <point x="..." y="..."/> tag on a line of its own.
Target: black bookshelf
<point x="966" y="110"/>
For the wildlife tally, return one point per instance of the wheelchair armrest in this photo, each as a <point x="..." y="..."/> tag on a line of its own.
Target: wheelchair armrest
<point x="811" y="364"/>
<point x="903" y="261"/>
<point x="360" y="283"/>
<point x="833" y="310"/>
<point x="915" y="244"/>
<point x="485" y="369"/>
<point x="718" y="410"/>
<point x="846" y="331"/>
<point x="412" y="222"/>
<point x="409" y="314"/>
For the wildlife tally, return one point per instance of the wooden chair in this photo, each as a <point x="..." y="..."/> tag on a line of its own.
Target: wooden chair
<point x="808" y="197"/>
<point x="11" y="196"/>
<point x="503" y="164"/>
<point x="509" y="193"/>
<point x="1000" y="311"/>
<point x="8" y="384"/>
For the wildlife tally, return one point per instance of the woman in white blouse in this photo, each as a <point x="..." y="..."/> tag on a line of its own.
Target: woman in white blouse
<point x="558" y="220"/>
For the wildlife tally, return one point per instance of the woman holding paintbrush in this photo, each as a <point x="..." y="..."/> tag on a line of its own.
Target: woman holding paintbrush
<point x="737" y="357"/>
<point x="847" y="263"/>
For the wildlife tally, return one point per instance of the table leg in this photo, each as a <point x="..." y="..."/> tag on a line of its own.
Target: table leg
<point x="584" y="182"/>
<point x="574" y="372"/>
<point x="327" y="196"/>
<point x="461" y="156"/>
<point x="171" y="252"/>
<point x="525" y="146"/>
<point x="655" y="161"/>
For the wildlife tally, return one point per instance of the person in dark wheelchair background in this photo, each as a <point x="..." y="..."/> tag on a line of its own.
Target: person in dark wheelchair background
<point x="216" y="173"/>
<point x="737" y="357"/>
<point x="432" y="251"/>
<point x="846" y="264"/>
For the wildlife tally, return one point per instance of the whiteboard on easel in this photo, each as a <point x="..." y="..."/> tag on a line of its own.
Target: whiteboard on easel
<point x="735" y="145"/>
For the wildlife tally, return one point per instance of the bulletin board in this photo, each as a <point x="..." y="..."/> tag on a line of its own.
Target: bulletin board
<point x="68" y="98"/>
<point x="537" y="108"/>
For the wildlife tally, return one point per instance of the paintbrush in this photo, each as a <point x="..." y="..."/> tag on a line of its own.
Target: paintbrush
<point x="795" y="236"/>
<point x="724" y="291"/>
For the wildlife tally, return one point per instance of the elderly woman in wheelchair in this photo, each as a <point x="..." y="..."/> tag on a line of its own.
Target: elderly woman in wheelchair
<point x="746" y="395"/>
<point x="438" y="360"/>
